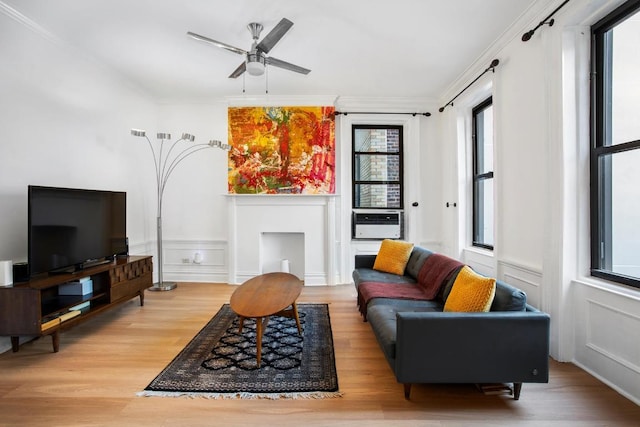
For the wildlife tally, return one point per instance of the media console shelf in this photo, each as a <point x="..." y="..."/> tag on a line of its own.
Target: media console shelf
<point x="38" y="307"/>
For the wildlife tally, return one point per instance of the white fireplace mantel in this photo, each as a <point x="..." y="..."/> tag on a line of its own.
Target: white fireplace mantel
<point x="251" y="216"/>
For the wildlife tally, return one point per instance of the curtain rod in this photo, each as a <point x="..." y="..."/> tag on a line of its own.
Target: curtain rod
<point x="378" y="112"/>
<point x="491" y="68"/>
<point x="527" y="36"/>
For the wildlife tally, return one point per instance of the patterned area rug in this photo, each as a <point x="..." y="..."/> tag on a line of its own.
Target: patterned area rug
<point x="221" y="363"/>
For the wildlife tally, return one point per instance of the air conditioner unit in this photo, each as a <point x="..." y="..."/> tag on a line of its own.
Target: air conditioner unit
<point x="379" y="225"/>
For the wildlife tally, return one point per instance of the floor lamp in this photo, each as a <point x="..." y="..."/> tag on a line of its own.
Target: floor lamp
<point x="165" y="162"/>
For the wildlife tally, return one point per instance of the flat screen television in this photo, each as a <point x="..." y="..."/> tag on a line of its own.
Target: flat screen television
<point x="70" y="229"/>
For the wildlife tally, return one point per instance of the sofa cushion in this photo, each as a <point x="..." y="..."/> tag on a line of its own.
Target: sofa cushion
<point x="471" y="292"/>
<point x="417" y="258"/>
<point x="407" y="304"/>
<point x="508" y="298"/>
<point x="382" y="318"/>
<point x="393" y="256"/>
<point x="368" y="275"/>
<point x="445" y="289"/>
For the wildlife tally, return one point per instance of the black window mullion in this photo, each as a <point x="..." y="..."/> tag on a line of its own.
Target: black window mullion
<point x="479" y="175"/>
<point x="603" y="147"/>
<point x="394" y="160"/>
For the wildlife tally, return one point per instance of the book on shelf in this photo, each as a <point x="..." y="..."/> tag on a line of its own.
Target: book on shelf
<point x="48" y="324"/>
<point x="56" y="319"/>
<point x="495" y="388"/>
<point x="69" y="315"/>
<point x="82" y="286"/>
<point x="81" y="307"/>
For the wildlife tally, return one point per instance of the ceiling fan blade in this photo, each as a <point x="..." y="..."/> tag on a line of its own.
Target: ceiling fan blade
<point x="275" y="35"/>
<point x="286" y="65"/>
<point x="217" y="43"/>
<point x="238" y="71"/>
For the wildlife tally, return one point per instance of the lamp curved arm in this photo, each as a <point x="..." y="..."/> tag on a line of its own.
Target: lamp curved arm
<point x="155" y="163"/>
<point x="166" y="158"/>
<point x="184" y="137"/>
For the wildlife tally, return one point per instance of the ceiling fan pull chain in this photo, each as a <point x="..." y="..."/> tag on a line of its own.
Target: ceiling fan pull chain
<point x="243" y="83"/>
<point x="266" y="79"/>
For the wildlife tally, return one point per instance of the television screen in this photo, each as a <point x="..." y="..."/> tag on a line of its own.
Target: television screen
<point x="70" y="228"/>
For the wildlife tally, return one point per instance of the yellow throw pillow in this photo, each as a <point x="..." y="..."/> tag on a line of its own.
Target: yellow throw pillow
<point x="393" y="256"/>
<point x="471" y="292"/>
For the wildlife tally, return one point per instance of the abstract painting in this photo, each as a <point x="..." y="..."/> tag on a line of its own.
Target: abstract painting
<point x="282" y="150"/>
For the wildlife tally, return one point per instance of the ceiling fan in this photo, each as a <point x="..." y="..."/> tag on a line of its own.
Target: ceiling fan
<point x="256" y="58"/>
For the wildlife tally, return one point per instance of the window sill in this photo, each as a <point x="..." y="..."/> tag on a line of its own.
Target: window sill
<point x="609" y="287"/>
<point x="480" y="251"/>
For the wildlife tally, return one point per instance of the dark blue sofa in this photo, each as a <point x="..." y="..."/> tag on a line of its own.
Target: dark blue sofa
<point x="423" y="344"/>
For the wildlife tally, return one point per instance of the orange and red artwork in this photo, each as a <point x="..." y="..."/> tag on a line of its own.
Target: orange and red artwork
<point x="282" y="150"/>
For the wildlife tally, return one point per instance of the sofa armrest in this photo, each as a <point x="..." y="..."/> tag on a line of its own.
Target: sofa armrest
<point x="365" y="261"/>
<point x="445" y="347"/>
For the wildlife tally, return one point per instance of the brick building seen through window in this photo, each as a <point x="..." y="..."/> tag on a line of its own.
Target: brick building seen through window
<point x="377" y="167"/>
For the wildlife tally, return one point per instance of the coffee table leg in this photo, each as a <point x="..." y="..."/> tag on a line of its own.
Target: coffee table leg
<point x="295" y="315"/>
<point x="259" y="331"/>
<point x="240" y="324"/>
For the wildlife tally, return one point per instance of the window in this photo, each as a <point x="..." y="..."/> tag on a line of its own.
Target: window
<point x="615" y="147"/>
<point x="482" y="139"/>
<point x="377" y="167"/>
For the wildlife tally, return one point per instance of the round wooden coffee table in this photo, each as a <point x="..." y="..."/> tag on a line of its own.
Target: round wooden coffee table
<point x="270" y="294"/>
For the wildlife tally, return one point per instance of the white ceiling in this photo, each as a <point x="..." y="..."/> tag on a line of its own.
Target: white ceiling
<point x="355" y="48"/>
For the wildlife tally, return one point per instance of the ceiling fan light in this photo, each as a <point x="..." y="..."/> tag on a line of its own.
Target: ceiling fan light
<point x="255" y="64"/>
<point x="255" y="68"/>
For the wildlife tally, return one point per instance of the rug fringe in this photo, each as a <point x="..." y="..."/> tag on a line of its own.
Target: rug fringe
<point x="270" y="396"/>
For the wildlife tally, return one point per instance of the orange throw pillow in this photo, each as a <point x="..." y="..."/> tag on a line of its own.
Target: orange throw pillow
<point x="471" y="292"/>
<point x="393" y="256"/>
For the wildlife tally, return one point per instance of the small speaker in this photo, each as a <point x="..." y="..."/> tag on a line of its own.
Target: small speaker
<point x="125" y="253"/>
<point x="6" y="273"/>
<point x="20" y="272"/>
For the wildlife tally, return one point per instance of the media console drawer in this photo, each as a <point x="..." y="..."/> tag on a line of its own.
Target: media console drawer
<point x="130" y="287"/>
<point x="130" y="278"/>
<point x="129" y="271"/>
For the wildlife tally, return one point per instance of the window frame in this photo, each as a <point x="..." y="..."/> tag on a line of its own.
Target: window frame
<point x="476" y="178"/>
<point x="601" y="147"/>
<point x="355" y="157"/>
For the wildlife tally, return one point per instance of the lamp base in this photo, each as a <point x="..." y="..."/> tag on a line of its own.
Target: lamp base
<point x="164" y="286"/>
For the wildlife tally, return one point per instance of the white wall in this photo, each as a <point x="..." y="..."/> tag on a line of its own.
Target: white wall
<point x="422" y="171"/>
<point x="194" y="204"/>
<point x="541" y="101"/>
<point x="65" y="122"/>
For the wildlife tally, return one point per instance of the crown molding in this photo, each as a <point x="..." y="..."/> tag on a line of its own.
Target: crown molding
<point x="280" y="100"/>
<point x="387" y="104"/>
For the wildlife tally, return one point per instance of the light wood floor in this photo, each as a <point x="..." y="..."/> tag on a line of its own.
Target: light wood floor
<point x="102" y="363"/>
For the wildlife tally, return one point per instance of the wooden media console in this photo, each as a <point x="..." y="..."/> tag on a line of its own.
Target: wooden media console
<point x="44" y="306"/>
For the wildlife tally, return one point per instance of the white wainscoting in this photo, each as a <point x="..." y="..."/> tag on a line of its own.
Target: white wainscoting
<point x="525" y="278"/>
<point x="195" y="261"/>
<point x="481" y="261"/>
<point x="181" y="264"/>
<point x="522" y="277"/>
<point x="606" y="326"/>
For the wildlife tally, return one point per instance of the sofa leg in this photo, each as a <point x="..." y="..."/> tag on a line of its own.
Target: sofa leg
<point x="407" y="390"/>
<point x="516" y="390"/>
